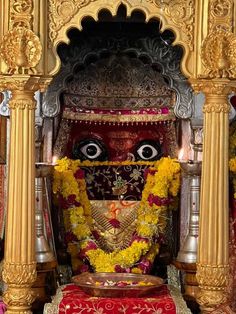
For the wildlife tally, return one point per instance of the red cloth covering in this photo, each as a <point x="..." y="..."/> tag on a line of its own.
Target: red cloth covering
<point x="74" y="300"/>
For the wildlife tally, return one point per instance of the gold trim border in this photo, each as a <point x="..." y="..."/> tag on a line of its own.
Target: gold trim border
<point x="181" y="307"/>
<point x="119" y="118"/>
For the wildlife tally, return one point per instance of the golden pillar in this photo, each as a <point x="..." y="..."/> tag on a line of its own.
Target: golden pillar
<point x="212" y="266"/>
<point x="19" y="270"/>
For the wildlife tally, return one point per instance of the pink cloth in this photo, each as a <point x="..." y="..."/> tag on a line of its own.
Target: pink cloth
<point x="2" y="307"/>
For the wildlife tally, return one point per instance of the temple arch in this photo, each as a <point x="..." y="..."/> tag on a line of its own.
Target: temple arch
<point x="156" y="50"/>
<point x="67" y="15"/>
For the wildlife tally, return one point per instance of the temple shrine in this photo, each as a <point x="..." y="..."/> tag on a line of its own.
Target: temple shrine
<point x="118" y="156"/>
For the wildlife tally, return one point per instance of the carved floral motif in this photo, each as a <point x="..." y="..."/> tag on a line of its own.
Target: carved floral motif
<point x="21" y="13"/>
<point x="210" y="299"/>
<point x="22" y="104"/>
<point x="220" y="15"/>
<point x="212" y="282"/>
<point x="19" y="273"/>
<point x="61" y="12"/>
<point x="19" y="297"/>
<point x="213" y="107"/>
<point x="21" y="50"/>
<point x="212" y="276"/>
<point x="216" y="92"/>
<point x="24" y="82"/>
<point x="219" y="87"/>
<point x="180" y="12"/>
<point x="220" y="8"/>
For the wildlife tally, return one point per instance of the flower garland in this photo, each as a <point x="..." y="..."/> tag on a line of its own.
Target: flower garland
<point x="162" y="184"/>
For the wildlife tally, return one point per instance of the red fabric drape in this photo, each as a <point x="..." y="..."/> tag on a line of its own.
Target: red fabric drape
<point x="76" y="301"/>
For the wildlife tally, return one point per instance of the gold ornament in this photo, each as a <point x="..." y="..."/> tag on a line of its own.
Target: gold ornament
<point x="114" y="238"/>
<point x="212" y="283"/>
<point x="210" y="107"/>
<point x="220" y="8"/>
<point x="214" y="277"/>
<point x="21" y="50"/>
<point x="216" y="92"/>
<point x="24" y="82"/>
<point x="220" y="15"/>
<point x="182" y="14"/>
<point x="19" y="273"/>
<point x="19" y="297"/>
<point x="61" y="12"/>
<point x="209" y="299"/>
<point x="22" y="104"/>
<point x="217" y="88"/>
<point x="21" y="13"/>
<point x="219" y="54"/>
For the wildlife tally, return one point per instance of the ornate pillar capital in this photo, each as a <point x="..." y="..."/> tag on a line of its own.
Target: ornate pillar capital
<point x="216" y="93"/>
<point x="22" y="100"/>
<point x="219" y="87"/>
<point x="24" y="83"/>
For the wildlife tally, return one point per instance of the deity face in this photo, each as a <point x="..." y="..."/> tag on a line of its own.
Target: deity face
<point x="116" y="143"/>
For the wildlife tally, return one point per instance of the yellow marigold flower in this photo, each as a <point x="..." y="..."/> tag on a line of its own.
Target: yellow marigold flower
<point x="76" y="215"/>
<point x="175" y="185"/>
<point x="232" y="164"/>
<point x="152" y="253"/>
<point x="144" y="230"/>
<point x="81" y="231"/>
<point x="62" y="164"/>
<point x="136" y="270"/>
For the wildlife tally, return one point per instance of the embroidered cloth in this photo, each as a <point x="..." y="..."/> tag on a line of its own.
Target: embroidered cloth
<point x="70" y="299"/>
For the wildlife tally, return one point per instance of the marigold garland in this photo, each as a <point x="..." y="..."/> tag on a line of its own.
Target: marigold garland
<point x="163" y="181"/>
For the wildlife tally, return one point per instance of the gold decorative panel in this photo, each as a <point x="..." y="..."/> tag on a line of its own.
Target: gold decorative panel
<point x="173" y="15"/>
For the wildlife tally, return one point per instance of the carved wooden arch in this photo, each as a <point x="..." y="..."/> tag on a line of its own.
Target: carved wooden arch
<point x="175" y="16"/>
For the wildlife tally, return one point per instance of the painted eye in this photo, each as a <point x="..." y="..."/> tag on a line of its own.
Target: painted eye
<point x="148" y="150"/>
<point x="93" y="150"/>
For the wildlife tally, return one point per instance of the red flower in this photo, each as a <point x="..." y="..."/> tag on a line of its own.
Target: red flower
<point x="83" y="268"/>
<point x="70" y="237"/>
<point x="145" y="265"/>
<point x="115" y="223"/>
<point x="119" y="269"/>
<point x="63" y="202"/>
<point x="91" y="246"/>
<point x="79" y="174"/>
<point x="95" y="234"/>
<point x="149" y="171"/>
<point x="152" y="199"/>
<point x="77" y="203"/>
<point x="71" y="198"/>
<point x="138" y="238"/>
